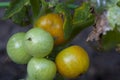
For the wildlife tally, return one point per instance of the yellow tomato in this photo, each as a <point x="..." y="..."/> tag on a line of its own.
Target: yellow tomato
<point x="72" y="61"/>
<point x="53" y="23"/>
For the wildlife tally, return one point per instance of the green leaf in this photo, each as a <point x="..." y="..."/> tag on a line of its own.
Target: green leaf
<point x="15" y="7"/>
<point x="113" y="16"/>
<point x="82" y="14"/>
<point x="118" y="3"/>
<point x="82" y="18"/>
<point x="22" y="18"/>
<point x="66" y="13"/>
<point x="111" y="39"/>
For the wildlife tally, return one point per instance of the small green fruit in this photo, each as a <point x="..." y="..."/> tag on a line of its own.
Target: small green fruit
<point x="41" y="69"/>
<point x="38" y="42"/>
<point x="15" y="49"/>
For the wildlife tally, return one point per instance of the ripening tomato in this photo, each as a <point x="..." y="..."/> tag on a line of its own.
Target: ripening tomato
<point x="72" y="61"/>
<point x="53" y="23"/>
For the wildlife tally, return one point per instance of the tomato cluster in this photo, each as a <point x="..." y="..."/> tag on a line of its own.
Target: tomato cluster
<point x="33" y="47"/>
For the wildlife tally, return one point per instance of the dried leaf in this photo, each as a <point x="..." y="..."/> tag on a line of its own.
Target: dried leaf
<point x="101" y="26"/>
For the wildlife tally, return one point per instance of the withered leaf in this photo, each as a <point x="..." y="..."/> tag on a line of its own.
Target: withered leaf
<point x="100" y="27"/>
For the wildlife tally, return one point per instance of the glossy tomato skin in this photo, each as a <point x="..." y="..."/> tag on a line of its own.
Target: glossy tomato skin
<point x="41" y="69"/>
<point x="16" y="50"/>
<point x="53" y="23"/>
<point x="38" y="42"/>
<point x="72" y="61"/>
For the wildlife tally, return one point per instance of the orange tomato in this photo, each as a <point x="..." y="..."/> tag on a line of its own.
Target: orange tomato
<point x="53" y="23"/>
<point x="72" y="61"/>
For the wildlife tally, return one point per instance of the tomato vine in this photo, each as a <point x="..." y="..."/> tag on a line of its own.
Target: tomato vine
<point x="102" y="15"/>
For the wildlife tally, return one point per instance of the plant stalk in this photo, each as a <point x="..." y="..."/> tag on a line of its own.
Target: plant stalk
<point x="4" y="4"/>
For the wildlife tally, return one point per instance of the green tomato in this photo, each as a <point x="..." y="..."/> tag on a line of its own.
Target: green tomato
<point x="15" y="49"/>
<point x="38" y="42"/>
<point x="41" y="69"/>
<point x="29" y="78"/>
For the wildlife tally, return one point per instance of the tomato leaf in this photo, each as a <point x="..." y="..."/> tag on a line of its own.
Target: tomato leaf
<point x="67" y="26"/>
<point x="22" y="18"/>
<point x="82" y="18"/>
<point x="113" y="16"/>
<point x="15" y="7"/>
<point x="111" y="39"/>
<point x="82" y="14"/>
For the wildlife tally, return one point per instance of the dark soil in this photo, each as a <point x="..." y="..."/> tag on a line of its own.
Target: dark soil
<point x="104" y="65"/>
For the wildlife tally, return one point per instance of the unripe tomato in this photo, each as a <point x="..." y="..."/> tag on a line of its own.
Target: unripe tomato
<point x="38" y="42"/>
<point x="15" y="49"/>
<point x="72" y="61"/>
<point x="53" y="23"/>
<point x="41" y="69"/>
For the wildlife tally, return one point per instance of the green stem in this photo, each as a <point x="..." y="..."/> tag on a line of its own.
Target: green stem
<point x="4" y="4"/>
<point x="35" y="8"/>
<point x="43" y="8"/>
